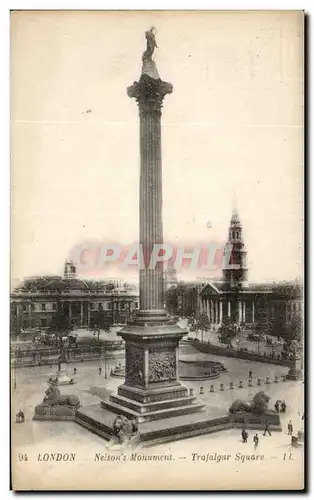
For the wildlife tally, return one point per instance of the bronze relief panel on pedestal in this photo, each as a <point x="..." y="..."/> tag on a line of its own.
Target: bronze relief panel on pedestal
<point x="161" y="364"/>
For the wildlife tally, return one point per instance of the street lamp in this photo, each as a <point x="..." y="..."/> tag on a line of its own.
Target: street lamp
<point x="14" y="374"/>
<point x="112" y="310"/>
<point x="105" y="360"/>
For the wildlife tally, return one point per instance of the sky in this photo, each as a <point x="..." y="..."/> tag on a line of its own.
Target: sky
<point x="234" y="123"/>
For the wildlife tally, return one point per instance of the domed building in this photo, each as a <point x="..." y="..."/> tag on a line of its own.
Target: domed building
<point x="37" y="299"/>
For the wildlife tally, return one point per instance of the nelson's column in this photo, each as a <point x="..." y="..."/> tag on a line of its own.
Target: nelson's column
<point x="151" y="392"/>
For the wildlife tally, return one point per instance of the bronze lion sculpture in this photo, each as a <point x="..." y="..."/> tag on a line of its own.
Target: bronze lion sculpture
<point x="124" y="433"/>
<point x="53" y="397"/>
<point x="258" y="405"/>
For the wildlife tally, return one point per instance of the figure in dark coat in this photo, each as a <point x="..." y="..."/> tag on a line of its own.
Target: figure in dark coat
<point x="266" y="429"/>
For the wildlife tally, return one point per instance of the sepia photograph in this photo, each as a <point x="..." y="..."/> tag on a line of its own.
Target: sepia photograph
<point x="157" y="250"/>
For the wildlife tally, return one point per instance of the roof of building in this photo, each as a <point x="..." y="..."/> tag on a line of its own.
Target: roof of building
<point x="58" y="283"/>
<point x="282" y="287"/>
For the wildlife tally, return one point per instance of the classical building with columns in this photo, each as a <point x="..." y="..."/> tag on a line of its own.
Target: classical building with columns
<point x="35" y="300"/>
<point x="233" y="297"/>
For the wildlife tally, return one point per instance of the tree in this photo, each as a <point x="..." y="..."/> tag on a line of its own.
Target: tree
<point x="263" y="324"/>
<point x="202" y="323"/>
<point x="14" y="322"/>
<point x="172" y="300"/>
<point x="60" y="323"/>
<point x="227" y="331"/>
<point x="293" y="329"/>
<point x="181" y="290"/>
<point x="61" y="326"/>
<point x="293" y="333"/>
<point x="99" y="321"/>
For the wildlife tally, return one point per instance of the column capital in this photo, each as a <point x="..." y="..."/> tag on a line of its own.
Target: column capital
<point x="149" y="93"/>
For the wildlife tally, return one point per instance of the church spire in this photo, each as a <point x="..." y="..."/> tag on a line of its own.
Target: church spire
<point x="235" y="219"/>
<point x="235" y="270"/>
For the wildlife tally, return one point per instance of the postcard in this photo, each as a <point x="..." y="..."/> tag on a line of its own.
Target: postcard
<point x="156" y="302"/>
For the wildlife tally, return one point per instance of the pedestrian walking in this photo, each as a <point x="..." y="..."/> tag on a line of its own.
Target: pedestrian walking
<point x="283" y="407"/>
<point x="290" y="428"/>
<point x="255" y="439"/>
<point x="74" y="371"/>
<point x="250" y="374"/>
<point x="99" y="370"/>
<point x="20" y="417"/>
<point x="266" y="429"/>
<point x="277" y="406"/>
<point x="244" y="435"/>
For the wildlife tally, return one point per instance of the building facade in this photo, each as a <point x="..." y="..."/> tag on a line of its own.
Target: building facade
<point x="36" y="300"/>
<point x="233" y="298"/>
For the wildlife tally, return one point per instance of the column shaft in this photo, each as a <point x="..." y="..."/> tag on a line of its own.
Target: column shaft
<point x="81" y="313"/>
<point x="151" y="229"/>
<point x="88" y="313"/>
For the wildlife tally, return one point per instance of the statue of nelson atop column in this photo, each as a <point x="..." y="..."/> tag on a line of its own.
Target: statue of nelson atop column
<point x="150" y="89"/>
<point x="151" y="43"/>
<point x="149" y="67"/>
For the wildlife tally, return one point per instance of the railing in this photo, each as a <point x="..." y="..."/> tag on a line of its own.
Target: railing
<point x="50" y="355"/>
<point x="109" y="344"/>
<point x="81" y="357"/>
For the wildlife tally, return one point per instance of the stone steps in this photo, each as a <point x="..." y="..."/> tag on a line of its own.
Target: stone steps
<point x="153" y="415"/>
<point x="91" y="427"/>
<point x="150" y="407"/>
<point x="96" y="420"/>
<point x="174" y="428"/>
<point x="185" y="435"/>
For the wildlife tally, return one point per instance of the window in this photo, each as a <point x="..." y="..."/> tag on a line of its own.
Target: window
<point x="43" y="322"/>
<point x="108" y="305"/>
<point x="54" y="306"/>
<point x="25" y="307"/>
<point x="43" y="307"/>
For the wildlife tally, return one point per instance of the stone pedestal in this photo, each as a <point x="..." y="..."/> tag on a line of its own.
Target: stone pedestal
<point x="256" y="421"/>
<point x="61" y="378"/>
<point x="152" y="389"/>
<point x="295" y="372"/>
<point x="57" y="406"/>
